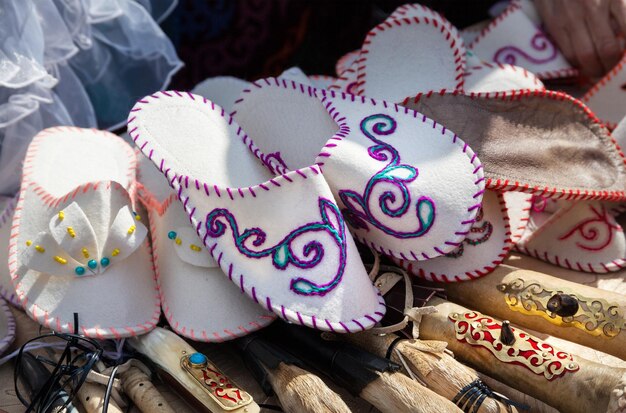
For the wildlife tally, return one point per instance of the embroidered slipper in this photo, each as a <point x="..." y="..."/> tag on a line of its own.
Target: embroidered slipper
<point x="409" y="187"/>
<point x="7" y="290"/>
<point x="487" y="244"/>
<point x="414" y="50"/>
<point x="540" y="142"/>
<point x="77" y="245"/>
<point x="583" y="236"/>
<point x="280" y="239"/>
<point x="513" y="38"/>
<point x="7" y="326"/>
<point x="607" y="98"/>
<point x="496" y="77"/>
<point x="197" y="300"/>
<point x="223" y="90"/>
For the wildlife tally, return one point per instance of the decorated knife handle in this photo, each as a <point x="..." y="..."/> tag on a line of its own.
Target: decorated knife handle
<point x="540" y="302"/>
<point x="194" y="372"/>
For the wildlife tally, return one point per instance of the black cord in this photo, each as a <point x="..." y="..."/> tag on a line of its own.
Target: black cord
<point x="107" y="394"/>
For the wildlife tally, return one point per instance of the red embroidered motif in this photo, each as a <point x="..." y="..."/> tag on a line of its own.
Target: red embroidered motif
<point x="596" y="232"/>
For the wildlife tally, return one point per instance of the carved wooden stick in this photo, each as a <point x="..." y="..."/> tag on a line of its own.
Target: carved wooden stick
<point x="145" y="396"/>
<point x="575" y="312"/>
<point x="567" y="382"/>
<point x="172" y="354"/>
<point x="91" y="396"/>
<point x="439" y="371"/>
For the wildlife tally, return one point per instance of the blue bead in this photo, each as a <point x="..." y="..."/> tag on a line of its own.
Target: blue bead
<point x="171" y="234"/>
<point x="197" y="358"/>
<point x="79" y="270"/>
<point x="105" y="261"/>
<point x="92" y="264"/>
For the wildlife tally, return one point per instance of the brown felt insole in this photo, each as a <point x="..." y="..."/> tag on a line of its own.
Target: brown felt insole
<point x="533" y="140"/>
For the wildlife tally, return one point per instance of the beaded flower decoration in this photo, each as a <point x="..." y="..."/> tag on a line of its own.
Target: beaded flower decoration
<point x="71" y="246"/>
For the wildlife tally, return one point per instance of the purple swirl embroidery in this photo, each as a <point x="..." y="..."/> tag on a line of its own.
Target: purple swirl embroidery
<point x="539" y="43"/>
<point x="273" y="160"/>
<point x="479" y="234"/>
<point x="395" y="201"/>
<point x="283" y="253"/>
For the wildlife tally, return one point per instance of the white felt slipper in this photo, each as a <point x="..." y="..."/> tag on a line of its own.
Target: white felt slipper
<point x="223" y="90"/>
<point x="487" y="244"/>
<point x="513" y="38"/>
<point x="408" y="54"/>
<point x="607" y="98"/>
<point x="496" y="77"/>
<point x="280" y="239"/>
<point x="409" y="187"/>
<point x="197" y="300"/>
<point x="77" y="245"/>
<point x="7" y="290"/>
<point x="7" y="326"/>
<point x="583" y="236"/>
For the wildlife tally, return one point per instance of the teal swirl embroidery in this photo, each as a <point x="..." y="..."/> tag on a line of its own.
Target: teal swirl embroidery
<point x="395" y="174"/>
<point x="282" y="253"/>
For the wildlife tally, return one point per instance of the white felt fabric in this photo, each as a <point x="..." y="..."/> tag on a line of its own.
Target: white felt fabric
<point x="607" y="98"/>
<point x="322" y="81"/>
<point x="529" y="9"/>
<point x="7" y="326"/>
<point x="304" y="266"/>
<point x="347" y="81"/>
<point x="581" y="235"/>
<point x="187" y="249"/>
<point x="514" y="39"/>
<point x="496" y="77"/>
<point x="518" y="206"/>
<point x="96" y="171"/>
<point x="411" y="10"/>
<point x="7" y="290"/>
<point x="223" y="90"/>
<point x="469" y="35"/>
<point x="197" y="300"/>
<point x="346" y="61"/>
<point x="403" y="57"/>
<point x="296" y="74"/>
<point x="389" y="200"/>
<point x="486" y="245"/>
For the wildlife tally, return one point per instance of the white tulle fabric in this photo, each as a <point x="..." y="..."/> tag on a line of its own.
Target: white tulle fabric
<point x="75" y="62"/>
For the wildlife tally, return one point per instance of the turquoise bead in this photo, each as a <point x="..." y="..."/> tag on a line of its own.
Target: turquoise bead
<point x="92" y="264"/>
<point x="171" y="234"/>
<point x="79" y="270"/>
<point x="105" y="261"/>
<point x="197" y="358"/>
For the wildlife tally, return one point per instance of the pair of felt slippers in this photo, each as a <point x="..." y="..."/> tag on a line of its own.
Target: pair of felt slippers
<point x="273" y="223"/>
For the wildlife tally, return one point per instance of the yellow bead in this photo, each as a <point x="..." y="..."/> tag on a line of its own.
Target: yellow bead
<point x="178" y="241"/>
<point x="138" y="217"/>
<point x="131" y="229"/>
<point x="60" y="260"/>
<point x="40" y="249"/>
<point x="61" y="215"/>
<point x="195" y="247"/>
<point x="71" y="231"/>
<point x="29" y="243"/>
<point x="115" y="252"/>
<point x="85" y="253"/>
